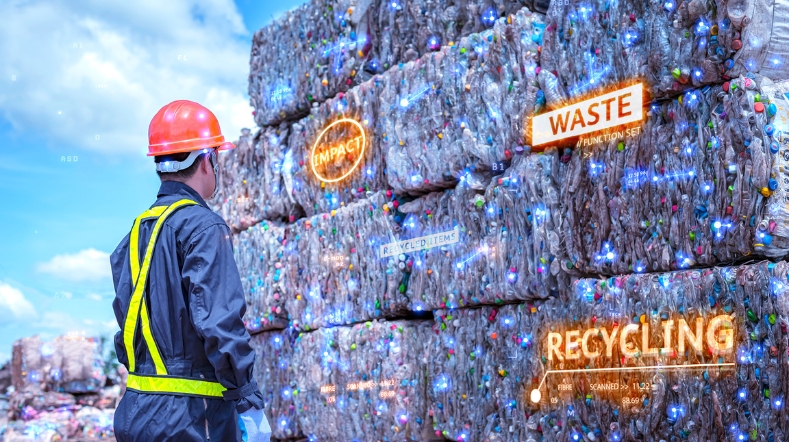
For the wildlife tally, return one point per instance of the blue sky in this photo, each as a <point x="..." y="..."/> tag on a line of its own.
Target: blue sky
<point x="78" y="86"/>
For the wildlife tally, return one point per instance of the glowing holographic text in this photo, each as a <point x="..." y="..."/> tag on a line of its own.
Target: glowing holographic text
<point x="338" y="150"/>
<point x="635" y="340"/>
<point x="423" y="242"/>
<point x="613" y="109"/>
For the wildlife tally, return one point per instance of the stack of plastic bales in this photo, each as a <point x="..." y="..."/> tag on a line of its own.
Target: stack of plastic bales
<point x="428" y="123"/>
<point x="529" y="246"/>
<point x="363" y="382"/>
<point x="324" y="48"/>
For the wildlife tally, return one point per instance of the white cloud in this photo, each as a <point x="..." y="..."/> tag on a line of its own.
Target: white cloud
<point x="94" y="297"/>
<point x="85" y="265"/>
<point x="13" y="305"/>
<point x="104" y="68"/>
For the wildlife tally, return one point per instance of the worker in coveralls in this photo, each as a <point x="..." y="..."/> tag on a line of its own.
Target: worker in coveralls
<point x="179" y="301"/>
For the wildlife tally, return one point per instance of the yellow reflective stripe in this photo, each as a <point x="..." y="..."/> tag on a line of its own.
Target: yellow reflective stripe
<point x="134" y="237"/>
<point x="130" y="325"/>
<point x="159" y="384"/>
<point x="146" y="334"/>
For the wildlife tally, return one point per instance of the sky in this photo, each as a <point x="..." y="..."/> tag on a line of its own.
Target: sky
<point x="79" y="83"/>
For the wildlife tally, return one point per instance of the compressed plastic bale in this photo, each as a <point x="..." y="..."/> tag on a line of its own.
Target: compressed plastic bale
<point x="765" y="38"/>
<point x="273" y="359"/>
<point x="79" y="361"/>
<point x="773" y="230"/>
<point x="363" y="382"/>
<point x="315" y="196"/>
<point x="251" y="180"/>
<point x="686" y="189"/>
<point x="461" y="109"/>
<point x="482" y="361"/>
<point x="670" y="45"/>
<point x="321" y="49"/>
<point x="262" y="265"/>
<point x="334" y="268"/>
<point x="703" y="403"/>
<point x="70" y="363"/>
<point x="508" y="239"/>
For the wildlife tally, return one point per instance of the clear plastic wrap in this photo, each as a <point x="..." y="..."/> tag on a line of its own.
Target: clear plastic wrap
<point x="460" y="110"/>
<point x="765" y="39"/>
<point x="251" y="180"/>
<point x="481" y="360"/>
<point x="323" y="270"/>
<point x="262" y="265"/>
<point x="773" y="230"/>
<point x="687" y="190"/>
<point x="323" y="48"/>
<point x="273" y="359"/>
<point x="671" y="45"/>
<point x="362" y="382"/>
<point x="508" y="239"/>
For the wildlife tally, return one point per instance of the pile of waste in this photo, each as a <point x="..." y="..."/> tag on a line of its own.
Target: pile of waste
<point x="59" y="391"/>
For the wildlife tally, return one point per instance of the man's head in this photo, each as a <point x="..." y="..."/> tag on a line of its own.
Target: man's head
<point x="184" y="138"/>
<point x="199" y="175"/>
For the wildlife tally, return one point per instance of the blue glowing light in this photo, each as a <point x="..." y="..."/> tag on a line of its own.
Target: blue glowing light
<point x="489" y="16"/>
<point x="742" y="394"/>
<point x="702" y="27"/>
<point x="442" y="383"/>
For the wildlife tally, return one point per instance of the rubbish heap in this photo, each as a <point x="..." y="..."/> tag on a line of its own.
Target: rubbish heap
<point x="59" y="391"/>
<point x="415" y="269"/>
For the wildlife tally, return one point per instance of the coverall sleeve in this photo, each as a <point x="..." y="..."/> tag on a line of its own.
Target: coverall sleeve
<point x="216" y="302"/>
<point x="117" y="265"/>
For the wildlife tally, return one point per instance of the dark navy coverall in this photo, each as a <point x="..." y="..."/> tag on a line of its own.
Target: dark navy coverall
<point x="196" y="306"/>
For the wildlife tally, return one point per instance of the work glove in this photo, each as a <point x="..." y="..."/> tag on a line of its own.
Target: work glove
<point x="254" y="426"/>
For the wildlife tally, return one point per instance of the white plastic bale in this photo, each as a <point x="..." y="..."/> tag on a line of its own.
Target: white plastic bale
<point x="688" y="190"/>
<point x="263" y="267"/>
<point x="300" y="182"/>
<point x="334" y="269"/>
<point x="765" y="38"/>
<point x="363" y="382"/>
<point x="709" y="399"/>
<point x="671" y="45"/>
<point x="321" y="49"/>
<point x="773" y="230"/>
<point x="273" y="359"/>
<point x="461" y="109"/>
<point x="482" y="363"/>
<point x="251" y="180"/>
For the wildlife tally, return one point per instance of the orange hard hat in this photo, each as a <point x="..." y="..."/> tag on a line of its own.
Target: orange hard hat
<point x="184" y="126"/>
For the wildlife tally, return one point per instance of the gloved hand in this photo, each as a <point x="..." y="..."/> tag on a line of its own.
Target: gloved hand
<point x="254" y="426"/>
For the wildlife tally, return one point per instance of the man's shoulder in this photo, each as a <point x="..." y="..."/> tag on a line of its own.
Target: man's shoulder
<point x="195" y="219"/>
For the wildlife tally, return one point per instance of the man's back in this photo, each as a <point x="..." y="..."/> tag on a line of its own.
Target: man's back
<point x="195" y="304"/>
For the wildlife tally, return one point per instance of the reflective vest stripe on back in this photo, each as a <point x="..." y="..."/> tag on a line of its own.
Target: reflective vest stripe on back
<point x="161" y="382"/>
